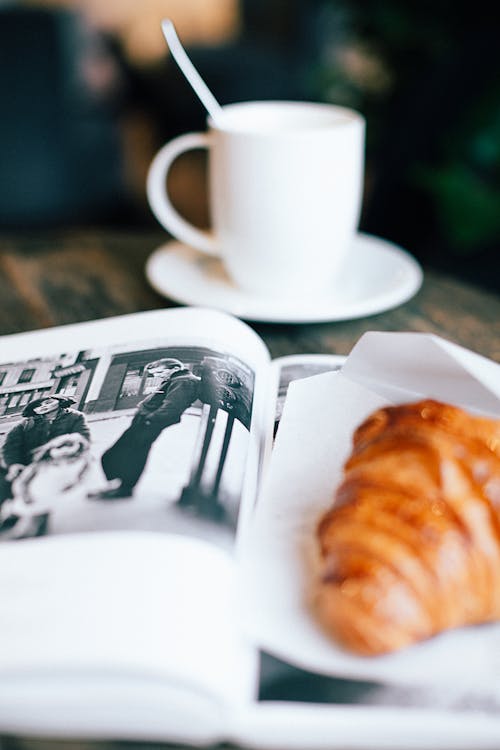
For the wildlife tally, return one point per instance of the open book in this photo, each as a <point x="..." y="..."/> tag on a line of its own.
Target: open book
<point x="156" y="530"/>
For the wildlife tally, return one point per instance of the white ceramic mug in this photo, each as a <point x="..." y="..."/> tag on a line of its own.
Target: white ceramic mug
<point x="285" y="191"/>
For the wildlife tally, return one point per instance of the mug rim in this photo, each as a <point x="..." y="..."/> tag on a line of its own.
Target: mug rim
<point x="346" y="117"/>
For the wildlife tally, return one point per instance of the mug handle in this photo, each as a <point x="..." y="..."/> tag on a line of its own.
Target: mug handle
<point x="159" y="201"/>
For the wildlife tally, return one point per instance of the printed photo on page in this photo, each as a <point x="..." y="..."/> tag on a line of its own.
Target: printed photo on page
<point x="145" y="436"/>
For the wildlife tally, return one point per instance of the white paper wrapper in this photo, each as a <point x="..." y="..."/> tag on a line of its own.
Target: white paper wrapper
<point x="313" y="442"/>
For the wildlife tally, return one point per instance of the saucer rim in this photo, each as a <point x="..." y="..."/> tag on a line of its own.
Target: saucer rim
<point x="325" y="309"/>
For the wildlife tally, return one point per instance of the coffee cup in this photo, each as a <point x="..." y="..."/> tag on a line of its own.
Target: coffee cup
<point x="285" y="184"/>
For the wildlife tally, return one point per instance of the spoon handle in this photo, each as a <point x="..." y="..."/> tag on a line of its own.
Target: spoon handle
<point x="211" y="104"/>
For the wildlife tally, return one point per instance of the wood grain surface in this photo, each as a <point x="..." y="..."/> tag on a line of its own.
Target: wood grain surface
<point x="64" y="277"/>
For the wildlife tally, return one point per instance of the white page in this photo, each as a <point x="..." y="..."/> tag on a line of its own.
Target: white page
<point x="125" y="607"/>
<point x="282" y="372"/>
<point x="287" y="369"/>
<point x="276" y="726"/>
<point x="187" y="327"/>
<point x="98" y="602"/>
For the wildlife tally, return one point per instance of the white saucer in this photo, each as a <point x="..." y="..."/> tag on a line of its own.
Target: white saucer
<point x="377" y="276"/>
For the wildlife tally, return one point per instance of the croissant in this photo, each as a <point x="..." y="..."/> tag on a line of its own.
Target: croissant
<point x="411" y="546"/>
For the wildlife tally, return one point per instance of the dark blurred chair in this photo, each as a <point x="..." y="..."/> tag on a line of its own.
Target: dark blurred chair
<point x="60" y="149"/>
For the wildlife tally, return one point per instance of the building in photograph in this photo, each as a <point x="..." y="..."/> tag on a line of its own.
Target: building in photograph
<point x="23" y="382"/>
<point x="120" y="380"/>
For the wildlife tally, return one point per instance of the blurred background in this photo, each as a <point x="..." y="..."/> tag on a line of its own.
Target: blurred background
<point x="88" y="93"/>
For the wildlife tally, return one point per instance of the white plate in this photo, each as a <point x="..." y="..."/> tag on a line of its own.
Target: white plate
<point x="378" y="276"/>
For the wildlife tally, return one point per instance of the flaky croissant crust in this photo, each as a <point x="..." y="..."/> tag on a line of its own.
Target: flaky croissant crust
<point x="411" y="546"/>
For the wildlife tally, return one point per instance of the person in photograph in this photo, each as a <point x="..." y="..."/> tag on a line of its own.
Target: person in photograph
<point x="44" y="419"/>
<point x="4" y="484"/>
<point x="54" y="475"/>
<point x="126" y="459"/>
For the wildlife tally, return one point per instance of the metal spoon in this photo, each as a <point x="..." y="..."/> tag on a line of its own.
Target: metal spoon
<point x="200" y="87"/>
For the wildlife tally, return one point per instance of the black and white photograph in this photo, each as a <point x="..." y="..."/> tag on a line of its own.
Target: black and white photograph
<point x="145" y="436"/>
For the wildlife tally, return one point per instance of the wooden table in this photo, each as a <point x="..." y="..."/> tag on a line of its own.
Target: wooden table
<point x="61" y="277"/>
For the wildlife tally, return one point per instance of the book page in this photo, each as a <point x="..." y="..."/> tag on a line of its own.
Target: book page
<point x="155" y="424"/>
<point x="131" y="448"/>
<point x="148" y="612"/>
<point x="297" y="367"/>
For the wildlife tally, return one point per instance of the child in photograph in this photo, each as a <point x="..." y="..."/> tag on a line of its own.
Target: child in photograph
<point x="43" y="419"/>
<point x="57" y="472"/>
